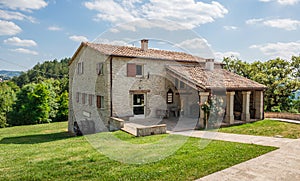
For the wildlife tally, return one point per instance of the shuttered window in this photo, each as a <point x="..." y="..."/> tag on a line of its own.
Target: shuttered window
<point x="77" y="97"/>
<point x="131" y="70"/>
<point x="99" y="68"/>
<point x="135" y="70"/>
<point x="91" y="97"/>
<point x="83" y="98"/>
<point x="100" y="102"/>
<point x="80" y="68"/>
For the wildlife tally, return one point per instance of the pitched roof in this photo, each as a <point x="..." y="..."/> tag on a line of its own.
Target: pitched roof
<point x="215" y="79"/>
<point x="135" y="52"/>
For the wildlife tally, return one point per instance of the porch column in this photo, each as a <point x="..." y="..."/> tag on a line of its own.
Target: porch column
<point x="203" y="98"/>
<point x="259" y="104"/>
<point x="229" y="107"/>
<point x="246" y="105"/>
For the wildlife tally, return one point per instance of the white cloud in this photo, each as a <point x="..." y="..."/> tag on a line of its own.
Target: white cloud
<point x="286" y="24"/>
<point x="112" y="42"/>
<point x="25" y="51"/>
<point x="54" y="28"/>
<point x="254" y="21"/>
<point x="230" y="28"/>
<point x="11" y="15"/>
<point x="196" y="43"/>
<point x="196" y="46"/>
<point x="19" y="42"/>
<point x="279" y="49"/>
<point x="78" y="38"/>
<point x="231" y="54"/>
<point x="9" y="28"/>
<point x="188" y="13"/>
<point x="24" y="5"/>
<point x="282" y="2"/>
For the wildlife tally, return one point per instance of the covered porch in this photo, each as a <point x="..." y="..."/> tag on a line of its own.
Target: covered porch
<point x="240" y="99"/>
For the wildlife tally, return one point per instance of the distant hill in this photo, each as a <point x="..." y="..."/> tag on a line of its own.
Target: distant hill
<point x="8" y="73"/>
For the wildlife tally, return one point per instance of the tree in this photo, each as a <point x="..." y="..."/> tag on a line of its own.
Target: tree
<point x="63" y="107"/>
<point x="32" y="105"/>
<point x="8" y="92"/>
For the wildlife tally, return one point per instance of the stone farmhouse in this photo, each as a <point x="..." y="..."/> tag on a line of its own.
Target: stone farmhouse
<point x="138" y="82"/>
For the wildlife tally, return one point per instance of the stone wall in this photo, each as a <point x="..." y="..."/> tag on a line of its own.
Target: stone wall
<point x="115" y="124"/>
<point x="89" y="83"/>
<point x="153" y="83"/>
<point x="282" y="115"/>
<point x="151" y="130"/>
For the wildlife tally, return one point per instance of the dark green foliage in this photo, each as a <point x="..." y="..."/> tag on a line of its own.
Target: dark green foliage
<point x="49" y="69"/>
<point x="8" y="92"/>
<point x="43" y="96"/>
<point x="280" y="76"/>
<point x="32" y="105"/>
<point x="62" y="111"/>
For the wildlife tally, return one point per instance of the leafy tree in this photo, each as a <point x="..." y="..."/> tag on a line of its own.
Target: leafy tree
<point x="63" y="107"/>
<point x="32" y="105"/>
<point x="8" y="92"/>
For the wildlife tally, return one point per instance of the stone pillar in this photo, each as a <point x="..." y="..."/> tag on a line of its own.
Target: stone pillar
<point x="259" y="104"/>
<point x="229" y="107"/>
<point x="246" y="105"/>
<point x="203" y="98"/>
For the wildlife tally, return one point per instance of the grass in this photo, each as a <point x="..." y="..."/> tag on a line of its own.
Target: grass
<point x="47" y="152"/>
<point x="266" y="128"/>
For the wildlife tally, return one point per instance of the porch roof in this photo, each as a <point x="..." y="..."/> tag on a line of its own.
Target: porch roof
<point x="218" y="78"/>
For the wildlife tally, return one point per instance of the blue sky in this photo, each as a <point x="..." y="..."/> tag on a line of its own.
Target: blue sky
<point x="34" y="31"/>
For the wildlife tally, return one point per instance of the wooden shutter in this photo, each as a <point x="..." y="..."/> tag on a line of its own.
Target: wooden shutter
<point x="82" y="68"/>
<point x="98" y="101"/>
<point x="131" y="70"/>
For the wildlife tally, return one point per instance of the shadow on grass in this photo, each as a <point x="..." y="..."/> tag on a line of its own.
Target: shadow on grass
<point x="34" y="139"/>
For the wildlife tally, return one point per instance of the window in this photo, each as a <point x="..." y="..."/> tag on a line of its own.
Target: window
<point x="80" y="68"/>
<point x="83" y="98"/>
<point x="176" y="83"/>
<point x="91" y="97"/>
<point x="182" y="85"/>
<point x="139" y="70"/>
<point x="134" y="70"/>
<point x="100" y="102"/>
<point x="170" y="96"/>
<point x="77" y="97"/>
<point x="99" y="68"/>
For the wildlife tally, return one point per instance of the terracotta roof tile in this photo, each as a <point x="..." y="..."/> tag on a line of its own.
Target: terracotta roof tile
<point x="127" y="51"/>
<point x="217" y="78"/>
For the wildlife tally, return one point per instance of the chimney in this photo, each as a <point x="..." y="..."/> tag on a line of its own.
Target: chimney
<point x="209" y="64"/>
<point x="144" y="44"/>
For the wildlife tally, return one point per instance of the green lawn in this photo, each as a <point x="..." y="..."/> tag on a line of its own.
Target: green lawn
<point x="46" y="152"/>
<point x="266" y="128"/>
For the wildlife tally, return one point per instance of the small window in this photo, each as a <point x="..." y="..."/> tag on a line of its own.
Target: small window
<point x="91" y="97"/>
<point x="77" y="97"/>
<point x="139" y="70"/>
<point x="80" y="68"/>
<point x="170" y="96"/>
<point x="83" y="98"/>
<point x="99" y="69"/>
<point x="176" y="83"/>
<point x="100" y="102"/>
<point x="182" y="85"/>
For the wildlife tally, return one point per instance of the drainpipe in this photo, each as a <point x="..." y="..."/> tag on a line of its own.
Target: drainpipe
<point x="110" y="67"/>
